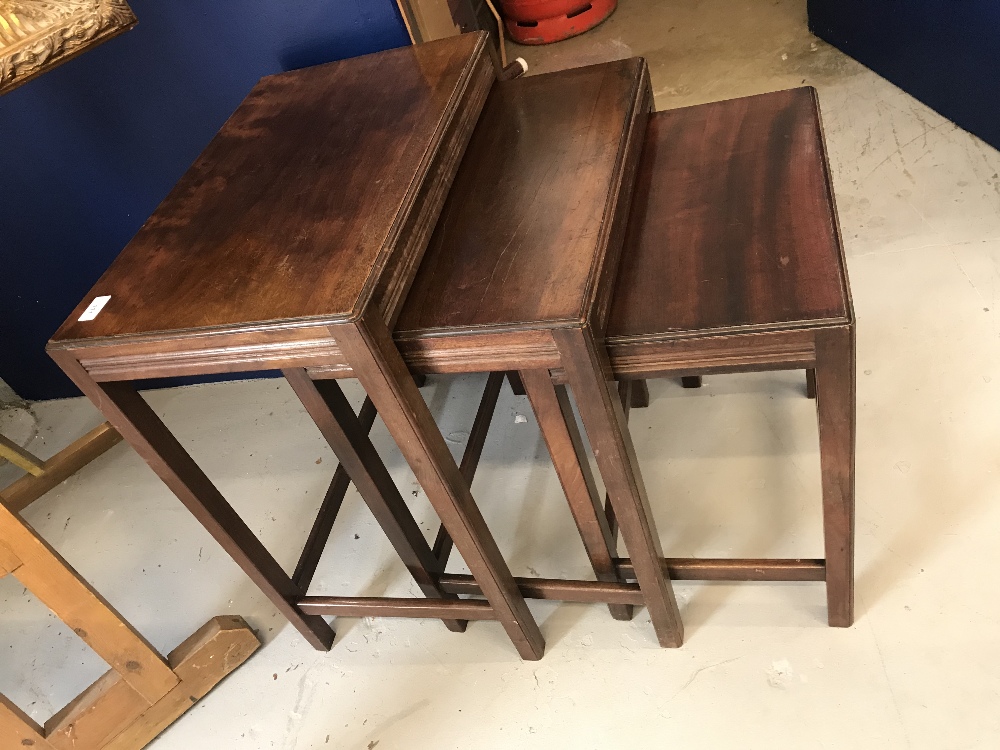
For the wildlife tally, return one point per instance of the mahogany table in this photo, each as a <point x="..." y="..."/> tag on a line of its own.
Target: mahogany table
<point x="291" y="242"/>
<point x="519" y="275"/>
<point x="733" y="262"/>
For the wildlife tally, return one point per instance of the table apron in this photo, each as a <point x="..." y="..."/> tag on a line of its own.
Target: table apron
<point x="774" y="350"/>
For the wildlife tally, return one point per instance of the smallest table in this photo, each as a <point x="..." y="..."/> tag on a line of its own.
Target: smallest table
<point x="734" y="263"/>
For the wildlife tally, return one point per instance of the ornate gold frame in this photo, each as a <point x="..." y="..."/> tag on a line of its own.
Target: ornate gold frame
<point x="37" y="35"/>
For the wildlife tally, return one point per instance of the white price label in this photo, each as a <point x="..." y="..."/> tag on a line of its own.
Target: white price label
<point x="95" y="307"/>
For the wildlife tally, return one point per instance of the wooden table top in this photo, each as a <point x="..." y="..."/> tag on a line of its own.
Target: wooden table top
<point x="314" y="200"/>
<point x="531" y="232"/>
<point x="732" y="224"/>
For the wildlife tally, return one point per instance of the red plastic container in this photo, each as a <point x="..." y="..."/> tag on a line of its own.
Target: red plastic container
<point x="547" y="21"/>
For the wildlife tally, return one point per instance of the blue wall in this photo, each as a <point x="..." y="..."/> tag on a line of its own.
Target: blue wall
<point x="91" y="148"/>
<point x="946" y="53"/>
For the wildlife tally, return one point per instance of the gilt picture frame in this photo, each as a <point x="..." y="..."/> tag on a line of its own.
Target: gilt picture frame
<point x="38" y="35"/>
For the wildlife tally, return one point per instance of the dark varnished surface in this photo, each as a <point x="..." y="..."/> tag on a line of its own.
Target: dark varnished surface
<point x="526" y="235"/>
<point x="732" y="222"/>
<point x="529" y="239"/>
<point x="734" y="263"/>
<point x="325" y="199"/>
<point x="522" y="265"/>
<point x="295" y="209"/>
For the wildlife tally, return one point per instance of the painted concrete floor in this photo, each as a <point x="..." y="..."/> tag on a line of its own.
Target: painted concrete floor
<point x="732" y="470"/>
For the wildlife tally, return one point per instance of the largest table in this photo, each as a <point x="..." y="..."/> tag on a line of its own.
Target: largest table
<point x="291" y="242"/>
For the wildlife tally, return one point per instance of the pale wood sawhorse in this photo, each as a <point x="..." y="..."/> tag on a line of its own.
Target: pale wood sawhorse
<point x="142" y="693"/>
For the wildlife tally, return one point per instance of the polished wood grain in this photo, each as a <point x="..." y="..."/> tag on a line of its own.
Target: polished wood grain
<point x="322" y="526"/>
<point x="443" y="543"/>
<point x="528" y="231"/>
<point x="520" y="270"/>
<point x="316" y="193"/>
<point x="129" y="413"/>
<point x="743" y="270"/>
<point x="348" y="437"/>
<point x="735" y="569"/>
<point x="330" y="507"/>
<point x="381" y="371"/>
<point x="625" y="394"/>
<point x="679" y="569"/>
<point x="376" y="606"/>
<point x="835" y="404"/>
<point x="732" y="222"/>
<point x="589" y="375"/>
<point x="558" y="426"/>
<point x="292" y="242"/>
<point x="789" y="257"/>
<point x="614" y="594"/>
<point x="788" y="326"/>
